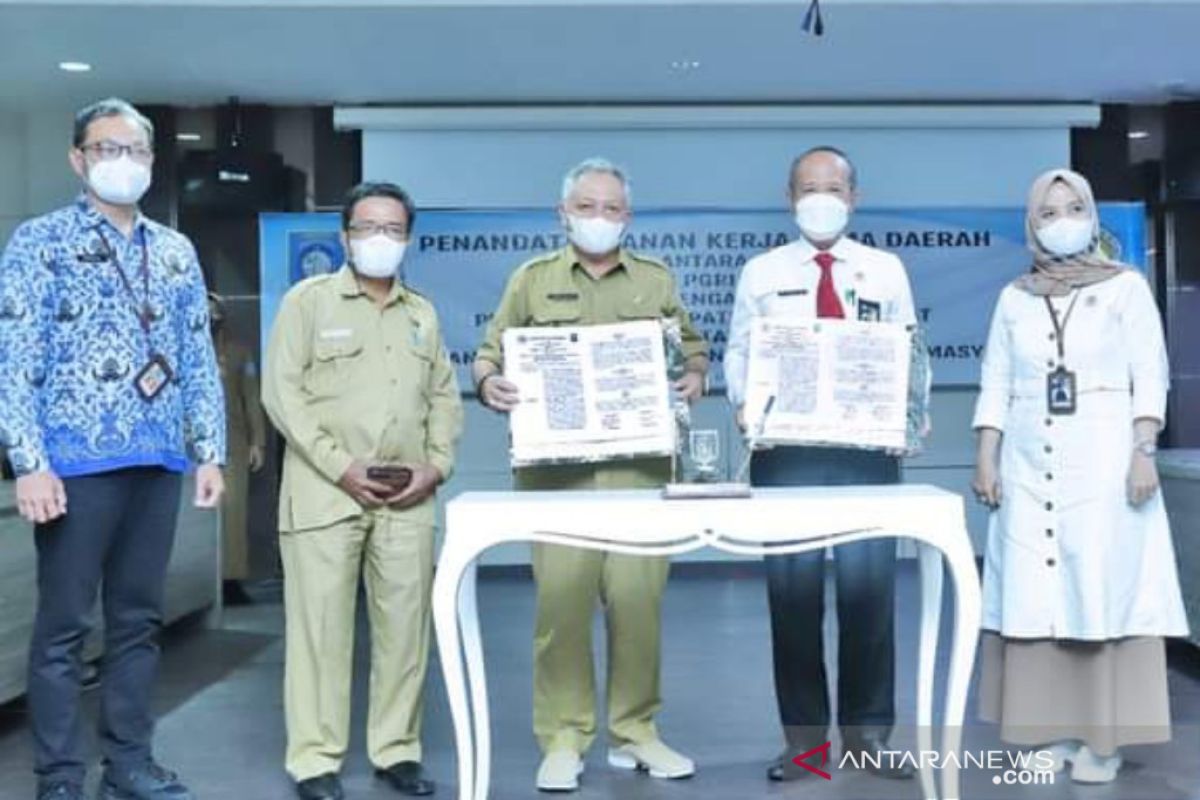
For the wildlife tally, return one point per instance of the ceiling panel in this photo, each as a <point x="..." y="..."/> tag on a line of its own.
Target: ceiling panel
<point x="574" y="52"/>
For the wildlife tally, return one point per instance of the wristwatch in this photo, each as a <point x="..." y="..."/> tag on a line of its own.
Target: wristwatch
<point x="1146" y="447"/>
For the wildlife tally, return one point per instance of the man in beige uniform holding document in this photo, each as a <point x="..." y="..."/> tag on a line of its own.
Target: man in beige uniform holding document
<point x="593" y="281"/>
<point x="358" y="381"/>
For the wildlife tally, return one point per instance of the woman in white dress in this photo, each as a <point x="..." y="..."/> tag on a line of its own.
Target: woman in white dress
<point x="1080" y="582"/>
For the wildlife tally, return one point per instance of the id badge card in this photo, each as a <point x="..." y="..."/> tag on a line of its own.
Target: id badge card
<point x="153" y="377"/>
<point x="869" y="311"/>
<point x="1060" y="391"/>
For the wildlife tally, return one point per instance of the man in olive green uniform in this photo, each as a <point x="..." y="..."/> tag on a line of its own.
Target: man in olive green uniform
<point x="245" y="433"/>
<point x="358" y="381"/>
<point x="593" y="281"/>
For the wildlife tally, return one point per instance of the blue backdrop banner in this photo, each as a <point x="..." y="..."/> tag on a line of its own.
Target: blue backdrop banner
<point x="958" y="260"/>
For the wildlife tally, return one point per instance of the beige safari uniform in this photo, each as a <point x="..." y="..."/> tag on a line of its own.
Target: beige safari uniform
<point x="347" y="379"/>
<point x="555" y="290"/>
<point x="245" y="428"/>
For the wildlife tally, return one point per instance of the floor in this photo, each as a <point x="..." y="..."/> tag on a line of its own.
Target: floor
<point x="222" y="726"/>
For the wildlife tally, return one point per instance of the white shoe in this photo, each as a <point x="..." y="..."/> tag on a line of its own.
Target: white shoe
<point x="1087" y="767"/>
<point x="653" y="756"/>
<point x="560" y="771"/>
<point x="1061" y="753"/>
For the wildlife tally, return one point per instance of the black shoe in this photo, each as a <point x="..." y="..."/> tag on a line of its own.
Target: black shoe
<point x="146" y="782"/>
<point x="799" y="740"/>
<point x="234" y="594"/>
<point x="60" y="790"/>
<point x="873" y="754"/>
<point x="407" y="777"/>
<point x="322" y="787"/>
<point x="784" y="769"/>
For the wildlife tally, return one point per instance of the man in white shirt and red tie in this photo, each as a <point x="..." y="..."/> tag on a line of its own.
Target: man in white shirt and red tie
<point x="824" y="273"/>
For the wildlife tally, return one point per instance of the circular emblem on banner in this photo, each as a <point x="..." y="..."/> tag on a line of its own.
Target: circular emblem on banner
<point x="316" y="258"/>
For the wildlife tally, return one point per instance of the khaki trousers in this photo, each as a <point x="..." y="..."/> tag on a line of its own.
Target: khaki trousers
<point x="570" y="582"/>
<point x="393" y="553"/>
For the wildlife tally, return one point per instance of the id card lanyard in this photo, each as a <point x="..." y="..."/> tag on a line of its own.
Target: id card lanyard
<point x="1061" y="393"/>
<point x="154" y="376"/>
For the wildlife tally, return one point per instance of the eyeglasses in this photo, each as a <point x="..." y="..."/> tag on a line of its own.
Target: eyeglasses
<point x="392" y="230"/>
<point x="111" y="151"/>
<point x="589" y="208"/>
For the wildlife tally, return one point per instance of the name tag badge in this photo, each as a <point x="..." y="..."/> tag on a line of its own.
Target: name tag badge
<point x="153" y="378"/>
<point x="1060" y="391"/>
<point x="791" y="292"/>
<point x="562" y="296"/>
<point x="869" y="311"/>
<point x="335" y="333"/>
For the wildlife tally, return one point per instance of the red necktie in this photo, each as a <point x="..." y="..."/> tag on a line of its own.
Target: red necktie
<point x="828" y="304"/>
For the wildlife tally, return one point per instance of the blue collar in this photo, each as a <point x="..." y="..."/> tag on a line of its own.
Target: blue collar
<point x="89" y="217"/>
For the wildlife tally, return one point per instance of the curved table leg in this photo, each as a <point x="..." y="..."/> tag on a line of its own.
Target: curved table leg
<point x="448" y="585"/>
<point x="468" y="616"/>
<point x="968" y="609"/>
<point x="931" y="613"/>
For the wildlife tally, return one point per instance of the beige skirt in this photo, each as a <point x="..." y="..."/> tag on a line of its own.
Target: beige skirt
<point x="1105" y="694"/>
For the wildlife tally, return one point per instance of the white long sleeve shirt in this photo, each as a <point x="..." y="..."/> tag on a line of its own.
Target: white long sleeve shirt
<point x="872" y="285"/>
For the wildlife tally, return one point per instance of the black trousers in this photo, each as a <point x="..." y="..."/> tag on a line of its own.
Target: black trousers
<point x="116" y="537"/>
<point x="865" y="585"/>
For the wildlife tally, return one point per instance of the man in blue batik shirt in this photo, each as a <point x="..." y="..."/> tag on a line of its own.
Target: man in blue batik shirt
<point x="108" y="390"/>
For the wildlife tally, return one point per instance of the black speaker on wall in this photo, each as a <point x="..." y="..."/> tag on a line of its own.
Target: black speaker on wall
<point x="234" y="180"/>
<point x="243" y="174"/>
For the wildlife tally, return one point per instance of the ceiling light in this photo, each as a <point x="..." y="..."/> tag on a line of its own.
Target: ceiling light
<point x="74" y="66"/>
<point x="1139" y="134"/>
<point x="187" y="137"/>
<point x="685" y="65"/>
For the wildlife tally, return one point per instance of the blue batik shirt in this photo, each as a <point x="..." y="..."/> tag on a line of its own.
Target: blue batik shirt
<point x="71" y="346"/>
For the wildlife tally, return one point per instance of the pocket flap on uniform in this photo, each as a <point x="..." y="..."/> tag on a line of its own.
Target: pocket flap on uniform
<point x="639" y="308"/>
<point x="557" y="308"/>
<point x="420" y="350"/>
<point x="337" y="343"/>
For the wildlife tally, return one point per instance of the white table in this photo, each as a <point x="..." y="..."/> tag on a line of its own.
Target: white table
<point x="640" y="522"/>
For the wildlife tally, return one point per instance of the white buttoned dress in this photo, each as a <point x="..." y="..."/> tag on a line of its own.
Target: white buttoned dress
<point x="1079" y="586"/>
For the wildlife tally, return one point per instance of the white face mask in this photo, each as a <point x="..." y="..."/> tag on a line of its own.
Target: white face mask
<point x="377" y="256"/>
<point x="121" y="181"/>
<point x="1066" y="236"/>
<point x="822" y="217"/>
<point x="594" y="235"/>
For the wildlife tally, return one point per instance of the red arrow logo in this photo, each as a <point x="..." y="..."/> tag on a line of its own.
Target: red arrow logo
<point x="801" y="761"/>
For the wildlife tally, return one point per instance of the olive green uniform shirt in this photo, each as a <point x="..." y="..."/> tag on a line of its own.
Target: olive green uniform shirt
<point x="346" y="379"/>
<point x="554" y="289"/>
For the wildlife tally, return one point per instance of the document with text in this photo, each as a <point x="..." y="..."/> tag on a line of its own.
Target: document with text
<point x="589" y="393"/>
<point x="828" y="382"/>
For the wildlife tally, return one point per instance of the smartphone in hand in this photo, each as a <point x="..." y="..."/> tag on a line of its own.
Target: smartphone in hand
<point x="394" y="476"/>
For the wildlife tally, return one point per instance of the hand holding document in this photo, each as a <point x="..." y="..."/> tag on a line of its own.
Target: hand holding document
<point x="589" y="393"/>
<point x="829" y="382"/>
